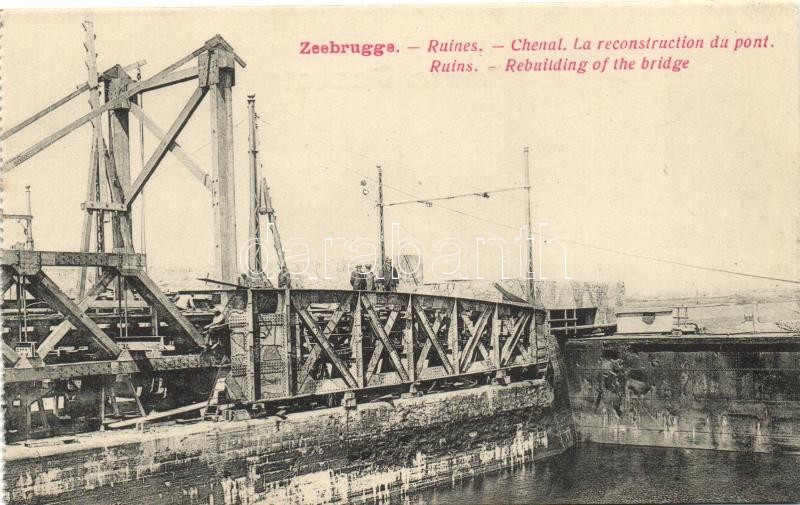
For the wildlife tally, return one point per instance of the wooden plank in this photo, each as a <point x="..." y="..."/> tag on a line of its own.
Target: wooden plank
<point x="52" y="340"/>
<point x="50" y="108"/>
<point x="54" y="137"/>
<point x="118" y="166"/>
<point x="80" y="88"/>
<point x="6" y="278"/>
<point x="10" y="355"/>
<point x="170" y="79"/>
<point x="121" y="221"/>
<point x="95" y="192"/>
<point x="86" y="230"/>
<point x="309" y="322"/>
<point x="377" y="328"/>
<point x="45" y="289"/>
<point x="432" y="337"/>
<point x="30" y="261"/>
<point x="223" y="194"/>
<point x="106" y="206"/>
<point x="174" y="148"/>
<point x="163" y="146"/>
<point x="148" y="290"/>
<point x="153" y="416"/>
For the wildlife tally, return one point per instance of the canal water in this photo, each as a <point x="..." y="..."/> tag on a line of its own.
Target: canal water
<point x="596" y="473"/>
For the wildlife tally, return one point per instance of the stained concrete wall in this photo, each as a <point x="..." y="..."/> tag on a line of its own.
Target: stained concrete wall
<point x="332" y="455"/>
<point x="738" y="393"/>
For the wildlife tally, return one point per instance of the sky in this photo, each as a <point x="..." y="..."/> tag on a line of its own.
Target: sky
<point x="700" y="166"/>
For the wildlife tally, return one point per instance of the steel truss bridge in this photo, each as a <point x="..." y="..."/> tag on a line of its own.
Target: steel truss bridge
<point x="91" y="362"/>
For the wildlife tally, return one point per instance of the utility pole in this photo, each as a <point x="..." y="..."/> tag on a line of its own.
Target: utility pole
<point x="379" y="268"/>
<point x="29" y="228"/>
<point x="254" y="257"/>
<point x="531" y="284"/>
<point x="143" y="240"/>
<point x="261" y="204"/>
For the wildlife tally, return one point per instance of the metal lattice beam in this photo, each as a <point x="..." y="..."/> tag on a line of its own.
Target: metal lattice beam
<point x="378" y="330"/>
<point x="147" y="289"/>
<point x="513" y="340"/>
<point x="304" y="374"/>
<point x="432" y="337"/>
<point x="45" y="289"/>
<point x="60" y="331"/>
<point x="311" y="325"/>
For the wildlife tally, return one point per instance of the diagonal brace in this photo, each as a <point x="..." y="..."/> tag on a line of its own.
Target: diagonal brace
<point x="148" y="290"/>
<point x="45" y="289"/>
<point x="113" y="104"/>
<point x="163" y="146"/>
<point x="316" y="351"/>
<point x="426" y="349"/>
<point x="10" y="355"/>
<point x="476" y="332"/>
<point x="6" y="277"/>
<point x="426" y="326"/>
<point x="174" y="148"/>
<point x="376" y="353"/>
<point x="514" y="339"/>
<point x="55" y="336"/>
<point x="309" y="322"/>
<point x="377" y="328"/>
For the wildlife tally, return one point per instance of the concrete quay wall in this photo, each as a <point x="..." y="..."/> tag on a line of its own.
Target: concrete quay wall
<point x="736" y="393"/>
<point x="333" y="455"/>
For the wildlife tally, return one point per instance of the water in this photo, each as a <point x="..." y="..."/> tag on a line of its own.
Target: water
<point x="595" y="473"/>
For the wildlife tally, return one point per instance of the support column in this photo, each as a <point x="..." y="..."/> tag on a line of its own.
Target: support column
<point x="494" y="337"/>
<point x="452" y="338"/>
<point x="254" y="258"/>
<point x="408" y="341"/>
<point x="119" y="168"/>
<point x="357" y="342"/>
<point x="219" y="62"/>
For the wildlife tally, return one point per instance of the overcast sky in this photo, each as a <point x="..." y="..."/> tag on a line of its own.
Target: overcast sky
<point x="699" y="166"/>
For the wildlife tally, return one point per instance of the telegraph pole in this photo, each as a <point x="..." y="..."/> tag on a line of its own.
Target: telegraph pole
<point x="143" y="232"/>
<point x="379" y="268"/>
<point x="29" y="228"/>
<point x="254" y="259"/>
<point x="531" y="284"/>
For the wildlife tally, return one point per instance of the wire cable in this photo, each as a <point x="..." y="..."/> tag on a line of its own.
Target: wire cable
<point x="428" y="201"/>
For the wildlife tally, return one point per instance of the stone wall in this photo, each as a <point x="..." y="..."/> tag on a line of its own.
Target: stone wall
<point x="737" y="393"/>
<point x="332" y="455"/>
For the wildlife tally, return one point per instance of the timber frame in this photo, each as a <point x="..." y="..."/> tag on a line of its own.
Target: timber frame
<point x="65" y="347"/>
<point x="110" y="188"/>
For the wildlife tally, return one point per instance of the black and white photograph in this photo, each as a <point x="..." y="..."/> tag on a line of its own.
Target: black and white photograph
<point x="411" y="254"/>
